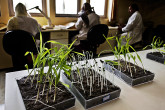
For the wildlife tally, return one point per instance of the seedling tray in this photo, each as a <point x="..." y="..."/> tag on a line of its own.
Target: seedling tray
<point x="127" y="79"/>
<point x="94" y="101"/>
<point x="63" y="105"/>
<point x="158" y="58"/>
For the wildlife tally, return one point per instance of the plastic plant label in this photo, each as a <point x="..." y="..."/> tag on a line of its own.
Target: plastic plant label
<point x="106" y="98"/>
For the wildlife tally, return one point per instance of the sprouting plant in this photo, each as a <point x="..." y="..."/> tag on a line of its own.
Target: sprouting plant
<point x="137" y="55"/>
<point x="124" y="49"/>
<point x="109" y="44"/>
<point x="112" y="67"/>
<point x="155" y="44"/>
<point x="56" y="62"/>
<point x="162" y="50"/>
<point x="134" y="59"/>
<point x="87" y="72"/>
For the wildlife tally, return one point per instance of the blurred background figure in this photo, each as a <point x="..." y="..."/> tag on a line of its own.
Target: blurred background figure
<point x="21" y="21"/>
<point x="134" y="26"/>
<point x="87" y="19"/>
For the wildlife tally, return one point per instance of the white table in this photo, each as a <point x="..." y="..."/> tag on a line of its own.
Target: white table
<point x="150" y="96"/>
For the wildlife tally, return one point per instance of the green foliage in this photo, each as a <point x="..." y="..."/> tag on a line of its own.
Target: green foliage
<point x="107" y="40"/>
<point x="123" y="50"/>
<point x="56" y="63"/>
<point x="156" y="43"/>
<point x="112" y="63"/>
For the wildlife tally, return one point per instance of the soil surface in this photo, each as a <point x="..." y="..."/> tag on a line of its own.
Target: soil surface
<point x="109" y="87"/>
<point x="29" y="94"/>
<point x="136" y="73"/>
<point x="158" y="54"/>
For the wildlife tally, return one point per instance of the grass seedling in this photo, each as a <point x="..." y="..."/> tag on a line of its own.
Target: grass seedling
<point x="124" y="49"/>
<point x="112" y="67"/>
<point x="56" y="62"/>
<point x="87" y="72"/>
<point x="155" y="44"/>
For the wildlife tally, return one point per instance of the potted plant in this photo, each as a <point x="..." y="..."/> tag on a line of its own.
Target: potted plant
<point x="129" y="72"/>
<point x="88" y="82"/>
<point x="158" y="53"/>
<point x="42" y="89"/>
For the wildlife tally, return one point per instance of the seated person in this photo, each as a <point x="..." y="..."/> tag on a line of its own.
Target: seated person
<point x="87" y="19"/>
<point x="134" y="26"/>
<point x="21" y="21"/>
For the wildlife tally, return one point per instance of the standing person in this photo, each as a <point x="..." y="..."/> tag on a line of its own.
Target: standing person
<point x="21" y="21"/>
<point x="134" y="26"/>
<point x="88" y="18"/>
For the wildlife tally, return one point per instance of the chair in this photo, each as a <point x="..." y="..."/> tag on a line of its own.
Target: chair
<point x="95" y="36"/>
<point x="16" y="43"/>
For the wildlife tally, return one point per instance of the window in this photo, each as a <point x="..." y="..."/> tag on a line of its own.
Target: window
<point x="29" y="4"/>
<point x="70" y="8"/>
<point x="100" y="7"/>
<point x="67" y="8"/>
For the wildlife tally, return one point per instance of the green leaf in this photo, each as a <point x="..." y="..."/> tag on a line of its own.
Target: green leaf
<point x="54" y="42"/>
<point x="66" y="85"/>
<point x="67" y="72"/>
<point x="110" y="38"/>
<point x="27" y="53"/>
<point x="40" y="42"/>
<point x="72" y="43"/>
<point x="146" y="47"/>
<point x="112" y="63"/>
<point x="103" y="52"/>
<point x="26" y="66"/>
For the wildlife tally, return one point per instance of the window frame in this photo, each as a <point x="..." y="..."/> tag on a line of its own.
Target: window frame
<point x="68" y="15"/>
<point x="12" y="13"/>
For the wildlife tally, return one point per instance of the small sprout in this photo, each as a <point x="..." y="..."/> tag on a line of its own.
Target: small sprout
<point x="103" y="69"/>
<point x="101" y="61"/>
<point x="86" y="62"/>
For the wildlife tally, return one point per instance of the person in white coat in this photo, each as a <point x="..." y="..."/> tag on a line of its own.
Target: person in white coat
<point x="88" y="18"/>
<point x="21" y="21"/>
<point x="134" y="26"/>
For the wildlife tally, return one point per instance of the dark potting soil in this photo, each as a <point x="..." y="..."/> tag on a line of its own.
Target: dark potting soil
<point x="140" y="72"/>
<point x="29" y="94"/>
<point x="96" y="88"/>
<point x="158" y="54"/>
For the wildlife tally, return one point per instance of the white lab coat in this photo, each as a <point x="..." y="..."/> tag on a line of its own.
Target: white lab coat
<point x="133" y="28"/>
<point x="94" y="19"/>
<point x="24" y="23"/>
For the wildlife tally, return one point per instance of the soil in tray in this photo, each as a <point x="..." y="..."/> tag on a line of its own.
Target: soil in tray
<point x="158" y="54"/>
<point x="29" y="94"/>
<point x="95" y="87"/>
<point x="140" y="72"/>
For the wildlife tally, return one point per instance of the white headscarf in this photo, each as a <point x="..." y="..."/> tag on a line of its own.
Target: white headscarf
<point x="20" y="10"/>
